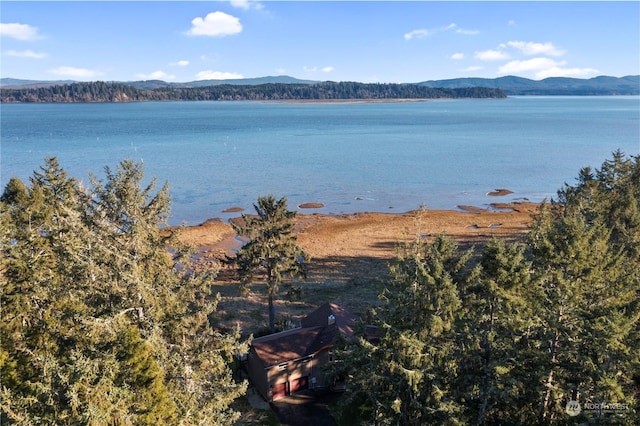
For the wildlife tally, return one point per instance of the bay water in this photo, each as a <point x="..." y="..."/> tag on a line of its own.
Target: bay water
<point x="352" y="157"/>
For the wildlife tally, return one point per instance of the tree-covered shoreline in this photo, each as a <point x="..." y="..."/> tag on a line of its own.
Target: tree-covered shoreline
<point x="100" y="91"/>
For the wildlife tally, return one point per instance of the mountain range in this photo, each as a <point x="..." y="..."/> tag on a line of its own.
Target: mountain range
<point x="511" y="85"/>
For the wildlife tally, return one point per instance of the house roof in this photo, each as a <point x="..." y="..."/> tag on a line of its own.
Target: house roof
<point x="289" y="345"/>
<point x="315" y="335"/>
<point x="344" y="320"/>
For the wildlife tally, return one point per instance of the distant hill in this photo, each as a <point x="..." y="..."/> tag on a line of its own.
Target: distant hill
<point x="24" y="84"/>
<point x="280" y="79"/>
<point x="14" y="83"/>
<point x="603" y="85"/>
<point x="510" y="85"/>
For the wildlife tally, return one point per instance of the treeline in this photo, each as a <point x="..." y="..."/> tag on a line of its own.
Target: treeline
<point x="105" y="320"/>
<point x="120" y="92"/>
<point x="541" y="332"/>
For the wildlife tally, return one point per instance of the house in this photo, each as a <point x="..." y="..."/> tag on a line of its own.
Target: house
<point x="283" y="363"/>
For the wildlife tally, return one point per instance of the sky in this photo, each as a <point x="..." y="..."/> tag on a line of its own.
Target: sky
<point x="365" y="41"/>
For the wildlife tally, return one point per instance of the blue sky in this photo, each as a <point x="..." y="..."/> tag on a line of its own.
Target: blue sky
<point x="366" y="41"/>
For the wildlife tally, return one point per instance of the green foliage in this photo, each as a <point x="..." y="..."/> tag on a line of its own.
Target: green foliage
<point x="585" y="252"/>
<point x="271" y="250"/>
<point x="102" y="323"/>
<point x="512" y="334"/>
<point x="408" y="377"/>
<point x="118" y="92"/>
<point x="495" y="313"/>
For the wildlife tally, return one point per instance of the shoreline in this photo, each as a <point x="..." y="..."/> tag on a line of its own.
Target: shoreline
<point x="353" y="101"/>
<point x="349" y="254"/>
<point x="373" y="234"/>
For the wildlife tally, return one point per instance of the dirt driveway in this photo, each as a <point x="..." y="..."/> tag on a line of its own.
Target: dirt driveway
<point x="305" y="409"/>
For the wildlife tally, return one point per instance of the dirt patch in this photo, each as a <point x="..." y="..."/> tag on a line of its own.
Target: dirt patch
<point x="349" y="255"/>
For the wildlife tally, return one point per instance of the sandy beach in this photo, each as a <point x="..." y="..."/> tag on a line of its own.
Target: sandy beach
<point x="349" y="253"/>
<point x="376" y="234"/>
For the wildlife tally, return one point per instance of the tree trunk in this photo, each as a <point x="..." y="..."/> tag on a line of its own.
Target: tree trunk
<point x="272" y="315"/>
<point x="544" y="406"/>
<point x="486" y="379"/>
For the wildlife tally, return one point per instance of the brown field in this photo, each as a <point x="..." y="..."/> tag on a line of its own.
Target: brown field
<point x="348" y="254"/>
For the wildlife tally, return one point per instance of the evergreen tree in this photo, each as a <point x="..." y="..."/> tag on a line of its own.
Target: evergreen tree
<point x="493" y="337"/>
<point x="585" y="254"/>
<point x="271" y="250"/>
<point x="103" y="320"/>
<point x="529" y="328"/>
<point x="408" y="378"/>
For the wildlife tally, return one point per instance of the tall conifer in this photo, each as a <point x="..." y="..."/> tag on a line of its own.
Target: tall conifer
<point x="271" y="250"/>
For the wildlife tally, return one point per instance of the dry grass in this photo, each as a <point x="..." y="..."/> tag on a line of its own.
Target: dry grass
<point x="349" y="255"/>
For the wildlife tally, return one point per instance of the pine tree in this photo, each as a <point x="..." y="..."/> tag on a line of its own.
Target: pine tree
<point x="271" y="249"/>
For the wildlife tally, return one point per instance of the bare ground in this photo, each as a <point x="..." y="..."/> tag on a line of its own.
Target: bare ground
<point x="349" y="255"/>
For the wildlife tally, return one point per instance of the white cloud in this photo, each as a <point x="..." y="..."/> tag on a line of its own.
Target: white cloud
<point x="544" y="63"/>
<point x="246" y="4"/>
<point x="422" y="33"/>
<point x="472" y="68"/>
<point x="534" y="64"/>
<point x="417" y="34"/>
<point x="20" y="31"/>
<point x="567" y="72"/>
<point x="26" y="54"/>
<point x="327" y="69"/>
<point x="511" y="22"/>
<point x="491" y="55"/>
<point x="156" y="75"/>
<point x="217" y="75"/>
<point x="75" y="72"/>
<point x="457" y="56"/>
<point x="546" y="67"/>
<point x="215" y="24"/>
<point x="467" y="32"/>
<point x="531" y="48"/>
<point x="179" y="63"/>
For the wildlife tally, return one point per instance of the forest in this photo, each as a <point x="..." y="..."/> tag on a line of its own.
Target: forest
<point x="121" y="92"/>
<point x="104" y="321"/>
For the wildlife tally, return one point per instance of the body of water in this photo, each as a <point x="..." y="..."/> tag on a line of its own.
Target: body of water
<point x="352" y="157"/>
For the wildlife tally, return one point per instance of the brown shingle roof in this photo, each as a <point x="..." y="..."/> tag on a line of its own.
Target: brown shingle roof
<point x="285" y="346"/>
<point x="316" y="334"/>
<point x="344" y="319"/>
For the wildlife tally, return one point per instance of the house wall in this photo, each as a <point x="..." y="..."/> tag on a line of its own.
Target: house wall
<point x="321" y="359"/>
<point x="291" y="375"/>
<point x="283" y="379"/>
<point x="278" y="379"/>
<point x="258" y="374"/>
